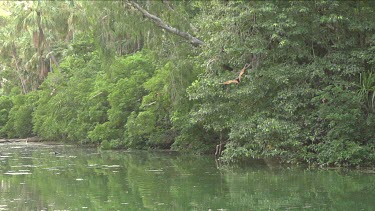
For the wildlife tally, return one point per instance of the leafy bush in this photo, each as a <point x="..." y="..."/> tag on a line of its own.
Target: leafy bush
<point x="19" y="124"/>
<point x="5" y="107"/>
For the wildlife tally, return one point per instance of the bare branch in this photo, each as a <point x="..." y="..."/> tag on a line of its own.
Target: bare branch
<point x="160" y="23"/>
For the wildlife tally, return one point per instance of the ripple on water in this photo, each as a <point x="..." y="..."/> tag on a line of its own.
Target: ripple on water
<point x="17" y="173"/>
<point x="111" y="166"/>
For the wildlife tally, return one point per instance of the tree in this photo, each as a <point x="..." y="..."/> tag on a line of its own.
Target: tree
<point x="32" y="37"/>
<point x="299" y="101"/>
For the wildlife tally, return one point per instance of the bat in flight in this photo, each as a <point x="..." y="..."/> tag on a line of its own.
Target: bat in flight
<point x="238" y="79"/>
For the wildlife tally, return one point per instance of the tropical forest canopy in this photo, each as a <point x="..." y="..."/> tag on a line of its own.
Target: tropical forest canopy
<point x="166" y="74"/>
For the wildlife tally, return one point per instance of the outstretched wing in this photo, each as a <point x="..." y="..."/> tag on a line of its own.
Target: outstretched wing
<point x="235" y="81"/>
<point x="238" y="79"/>
<point x="243" y="72"/>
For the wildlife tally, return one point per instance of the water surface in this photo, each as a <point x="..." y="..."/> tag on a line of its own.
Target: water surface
<point x="61" y="177"/>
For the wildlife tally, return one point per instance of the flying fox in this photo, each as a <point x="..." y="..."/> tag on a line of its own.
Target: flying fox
<point x="238" y="79"/>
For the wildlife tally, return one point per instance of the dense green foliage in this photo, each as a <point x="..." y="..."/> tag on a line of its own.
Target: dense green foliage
<point x="103" y="73"/>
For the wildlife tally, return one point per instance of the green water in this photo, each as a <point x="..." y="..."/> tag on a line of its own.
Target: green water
<point x="33" y="177"/>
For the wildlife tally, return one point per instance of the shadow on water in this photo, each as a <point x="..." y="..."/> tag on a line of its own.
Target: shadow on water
<point x="62" y="177"/>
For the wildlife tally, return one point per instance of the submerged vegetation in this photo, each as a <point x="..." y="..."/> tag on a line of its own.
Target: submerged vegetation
<point x="149" y="74"/>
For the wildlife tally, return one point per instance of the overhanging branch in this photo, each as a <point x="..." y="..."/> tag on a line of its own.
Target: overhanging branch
<point x="160" y="23"/>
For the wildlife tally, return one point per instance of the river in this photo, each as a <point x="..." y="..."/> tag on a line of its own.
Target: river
<point x="64" y="177"/>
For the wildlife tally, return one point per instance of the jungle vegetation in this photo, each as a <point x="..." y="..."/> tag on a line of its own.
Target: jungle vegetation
<point x="150" y="75"/>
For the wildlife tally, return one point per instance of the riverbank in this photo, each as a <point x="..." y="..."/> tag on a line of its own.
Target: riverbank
<point x="270" y="162"/>
<point x="30" y="140"/>
<point x="17" y="140"/>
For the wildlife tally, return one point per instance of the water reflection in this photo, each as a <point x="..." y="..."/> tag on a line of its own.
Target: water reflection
<point x="34" y="177"/>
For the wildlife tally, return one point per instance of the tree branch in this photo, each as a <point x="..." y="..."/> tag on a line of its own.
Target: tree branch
<point x="160" y="23"/>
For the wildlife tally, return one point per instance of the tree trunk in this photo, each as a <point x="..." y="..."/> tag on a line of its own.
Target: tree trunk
<point x="18" y="70"/>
